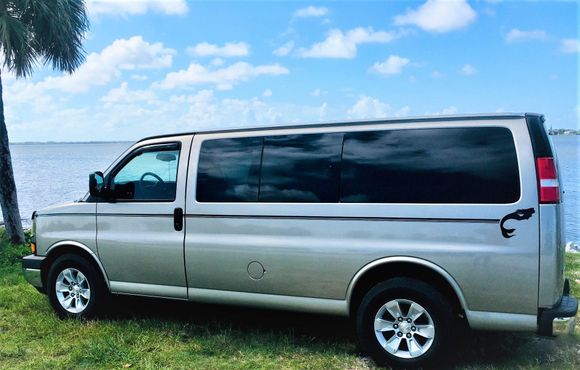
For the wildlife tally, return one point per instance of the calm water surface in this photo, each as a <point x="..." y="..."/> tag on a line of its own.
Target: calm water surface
<point x="48" y="174"/>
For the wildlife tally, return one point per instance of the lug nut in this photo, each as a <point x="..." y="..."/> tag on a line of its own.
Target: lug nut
<point x="399" y="319"/>
<point x="413" y="328"/>
<point x="409" y="321"/>
<point x="399" y="334"/>
<point x="408" y="335"/>
<point x="395" y="326"/>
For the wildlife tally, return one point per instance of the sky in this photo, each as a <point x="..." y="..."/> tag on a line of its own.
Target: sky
<point x="169" y="66"/>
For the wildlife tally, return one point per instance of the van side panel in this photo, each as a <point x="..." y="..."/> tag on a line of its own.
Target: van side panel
<point x="314" y="250"/>
<point x="552" y="247"/>
<point x="69" y="221"/>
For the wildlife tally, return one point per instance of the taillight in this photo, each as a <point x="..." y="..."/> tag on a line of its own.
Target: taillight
<point x="548" y="185"/>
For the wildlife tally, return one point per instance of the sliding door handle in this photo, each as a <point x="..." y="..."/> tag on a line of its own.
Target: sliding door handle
<point x="178" y="219"/>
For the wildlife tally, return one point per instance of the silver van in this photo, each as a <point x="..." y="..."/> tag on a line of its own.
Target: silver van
<point x="409" y="226"/>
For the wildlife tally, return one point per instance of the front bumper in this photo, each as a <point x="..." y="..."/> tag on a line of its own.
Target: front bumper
<point x="560" y="319"/>
<point x="32" y="270"/>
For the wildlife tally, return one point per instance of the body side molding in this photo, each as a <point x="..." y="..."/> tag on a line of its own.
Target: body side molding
<point x="501" y="321"/>
<point x="149" y="290"/>
<point x="270" y="301"/>
<point x="72" y="243"/>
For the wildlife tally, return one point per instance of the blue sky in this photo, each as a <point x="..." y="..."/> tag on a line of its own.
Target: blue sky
<point x="171" y="66"/>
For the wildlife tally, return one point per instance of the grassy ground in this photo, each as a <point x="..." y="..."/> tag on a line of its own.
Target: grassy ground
<point x="162" y="334"/>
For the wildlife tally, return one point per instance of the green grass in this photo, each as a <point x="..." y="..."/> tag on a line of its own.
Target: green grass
<point x="147" y="333"/>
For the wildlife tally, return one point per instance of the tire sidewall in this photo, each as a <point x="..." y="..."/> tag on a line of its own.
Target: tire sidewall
<point x="431" y="300"/>
<point x="92" y="276"/>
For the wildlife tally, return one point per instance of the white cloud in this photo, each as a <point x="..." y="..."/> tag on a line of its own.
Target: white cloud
<point x="445" y="111"/>
<point x="318" y="92"/>
<point x="439" y="16"/>
<point x="570" y="46"/>
<point x="136" y="7"/>
<point x="205" y="110"/>
<point x="139" y="77"/>
<point x="437" y="74"/>
<point x="311" y="11"/>
<point x="468" y="70"/>
<point x="217" y="62"/>
<point x="122" y="95"/>
<point x="369" y="107"/>
<point x="224" y="78"/>
<point x="393" y="65"/>
<point x="403" y="111"/>
<point x="267" y="93"/>
<point x="516" y="35"/>
<point x="230" y="49"/>
<point x="340" y="44"/>
<point x="450" y="110"/>
<point x="102" y="68"/>
<point x="284" y="50"/>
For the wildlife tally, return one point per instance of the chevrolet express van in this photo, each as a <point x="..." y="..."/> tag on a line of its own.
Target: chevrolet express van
<point x="409" y="226"/>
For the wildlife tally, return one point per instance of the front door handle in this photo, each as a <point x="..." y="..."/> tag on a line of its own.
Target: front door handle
<point x="178" y="219"/>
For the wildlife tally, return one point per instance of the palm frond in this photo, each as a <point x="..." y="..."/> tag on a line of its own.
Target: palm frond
<point x="48" y="30"/>
<point x="59" y="27"/>
<point x="16" y="43"/>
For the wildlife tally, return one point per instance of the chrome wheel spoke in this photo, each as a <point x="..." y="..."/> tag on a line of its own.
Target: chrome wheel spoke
<point x="61" y="287"/>
<point x="394" y="309"/>
<point x="68" y="276"/>
<point x="415" y="311"/>
<point x="415" y="349"/>
<point x="86" y="294"/>
<point x="426" y="331"/>
<point x="383" y="325"/>
<point x="393" y="344"/>
<point x="67" y="302"/>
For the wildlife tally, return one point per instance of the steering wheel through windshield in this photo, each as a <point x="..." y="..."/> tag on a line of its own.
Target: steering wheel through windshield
<point x="159" y="179"/>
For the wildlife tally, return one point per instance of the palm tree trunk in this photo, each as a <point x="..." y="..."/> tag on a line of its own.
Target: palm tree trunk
<point x="8" y="199"/>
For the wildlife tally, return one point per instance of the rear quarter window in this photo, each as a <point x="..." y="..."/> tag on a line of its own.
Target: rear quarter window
<point x="442" y="165"/>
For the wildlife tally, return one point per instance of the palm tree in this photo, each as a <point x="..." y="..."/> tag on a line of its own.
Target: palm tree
<point x="34" y="32"/>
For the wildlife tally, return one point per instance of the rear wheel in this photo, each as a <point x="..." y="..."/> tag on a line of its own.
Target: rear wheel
<point x="75" y="287"/>
<point x="405" y="323"/>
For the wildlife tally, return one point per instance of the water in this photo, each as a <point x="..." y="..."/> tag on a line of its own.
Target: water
<point x="48" y="174"/>
<point x="568" y="152"/>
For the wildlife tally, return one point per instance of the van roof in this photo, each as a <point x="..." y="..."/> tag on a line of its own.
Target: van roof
<point x="441" y="118"/>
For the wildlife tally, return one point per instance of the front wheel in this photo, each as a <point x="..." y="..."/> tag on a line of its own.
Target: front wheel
<point x="75" y="287"/>
<point x="405" y="323"/>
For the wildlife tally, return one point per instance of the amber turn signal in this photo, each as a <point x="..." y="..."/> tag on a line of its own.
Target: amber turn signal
<point x="33" y="248"/>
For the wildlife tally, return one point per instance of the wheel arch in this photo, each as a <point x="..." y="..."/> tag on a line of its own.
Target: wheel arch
<point x="404" y="266"/>
<point x="68" y="246"/>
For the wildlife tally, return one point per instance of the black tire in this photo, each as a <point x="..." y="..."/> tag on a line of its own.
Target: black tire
<point x="432" y="301"/>
<point x="98" y="296"/>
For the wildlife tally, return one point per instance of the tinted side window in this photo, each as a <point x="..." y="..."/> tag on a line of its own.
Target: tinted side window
<point x="447" y="165"/>
<point x="229" y="170"/>
<point x="301" y="168"/>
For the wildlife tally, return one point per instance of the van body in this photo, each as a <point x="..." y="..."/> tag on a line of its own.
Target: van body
<point x="405" y="225"/>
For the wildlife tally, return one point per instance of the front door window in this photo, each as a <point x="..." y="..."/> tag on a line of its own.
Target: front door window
<point x="151" y="175"/>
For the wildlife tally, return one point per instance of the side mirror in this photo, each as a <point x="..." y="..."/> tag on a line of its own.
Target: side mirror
<point x="96" y="183"/>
